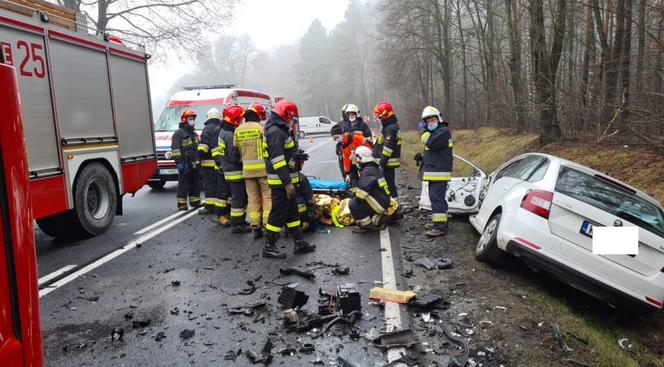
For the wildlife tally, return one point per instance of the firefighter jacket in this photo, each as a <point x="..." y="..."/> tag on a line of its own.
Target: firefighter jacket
<point x="183" y="146"/>
<point x="228" y="155"/>
<point x="349" y="142"/>
<point x="388" y="145"/>
<point x="372" y="188"/>
<point x="437" y="158"/>
<point x="280" y="148"/>
<point x="304" y="194"/>
<point x="209" y="143"/>
<point x="248" y="141"/>
<point x="358" y="125"/>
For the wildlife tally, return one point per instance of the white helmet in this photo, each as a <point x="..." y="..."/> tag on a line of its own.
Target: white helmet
<point x="363" y="155"/>
<point x="430" y="111"/>
<point x="352" y="108"/>
<point x="213" y="113"/>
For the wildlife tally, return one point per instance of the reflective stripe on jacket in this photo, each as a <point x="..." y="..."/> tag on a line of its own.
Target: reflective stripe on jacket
<point x="437" y="158"/>
<point x="248" y="140"/>
<point x="387" y="150"/>
<point x="229" y="157"/>
<point x="280" y="147"/>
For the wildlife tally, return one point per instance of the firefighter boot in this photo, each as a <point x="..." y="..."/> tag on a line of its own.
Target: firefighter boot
<point x="302" y="246"/>
<point x="270" y="250"/>
<point x="241" y="228"/>
<point x="258" y="233"/>
<point x="435" y="232"/>
<point x="224" y="220"/>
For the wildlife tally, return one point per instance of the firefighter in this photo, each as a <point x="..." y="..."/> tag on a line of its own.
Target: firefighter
<point x="231" y="164"/>
<point x="354" y="122"/>
<point x="281" y="179"/>
<point x="436" y="166"/>
<point x="349" y="142"/>
<point x="208" y="170"/>
<point x="371" y="197"/>
<point x="340" y="126"/>
<point x="183" y="147"/>
<point x="248" y="141"/>
<point x="388" y="145"/>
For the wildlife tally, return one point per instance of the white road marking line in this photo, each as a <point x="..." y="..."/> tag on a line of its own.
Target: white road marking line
<point x="392" y="313"/>
<point x="157" y="224"/>
<point x="55" y="274"/>
<point x="311" y="149"/>
<point x="112" y="255"/>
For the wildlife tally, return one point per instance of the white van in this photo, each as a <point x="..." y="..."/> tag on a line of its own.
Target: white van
<point x="315" y="125"/>
<point x="200" y="99"/>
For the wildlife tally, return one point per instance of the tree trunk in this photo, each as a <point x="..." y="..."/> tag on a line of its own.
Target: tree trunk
<point x="588" y="57"/>
<point x="462" y="42"/>
<point x="642" y="44"/>
<point x="626" y="56"/>
<point x="514" y="35"/>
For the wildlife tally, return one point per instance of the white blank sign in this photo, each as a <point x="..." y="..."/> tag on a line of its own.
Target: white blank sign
<point x="615" y="240"/>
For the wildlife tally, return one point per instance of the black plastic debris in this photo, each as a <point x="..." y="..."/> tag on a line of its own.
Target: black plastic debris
<point x="348" y="298"/>
<point x="307" y="348"/>
<point x="246" y="310"/>
<point x="140" y="324"/>
<point x="325" y="306"/>
<point x="117" y="334"/>
<point x="128" y="316"/>
<point x="160" y="336"/>
<point x="427" y="301"/>
<point x="175" y="311"/>
<point x="231" y="355"/>
<point x="176" y="283"/>
<point x="307" y="274"/>
<point x="341" y="271"/>
<point x="386" y="340"/>
<point x="561" y="342"/>
<point x="348" y="319"/>
<point x="249" y="290"/>
<point x="264" y="356"/>
<point x="344" y="362"/>
<point x="405" y="359"/>
<point x="292" y="298"/>
<point x="440" y="263"/>
<point x="309" y="322"/>
<point x="187" y="334"/>
<point x="425" y="262"/>
<point x="464" y="344"/>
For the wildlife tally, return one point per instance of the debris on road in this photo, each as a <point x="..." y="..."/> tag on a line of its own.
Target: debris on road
<point x="308" y="274"/>
<point x="175" y="311"/>
<point x="348" y="298"/>
<point x="292" y="298"/>
<point x="392" y="339"/>
<point x="117" y="334"/>
<point x="176" y="283"/>
<point x="427" y="301"/>
<point x="561" y="342"/>
<point x="249" y="290"/>
<point x="289" y="316"/>
<point x="232" y="355"/>
<point x="246" y="310"/>
<point x="406" y="359"/>
<point x="391" y="295"/>
<point x="160" y="336"/>
<point x="440" y="263"/>
<point x="140" y="324"/>
<point x="574" y="362"/>
<point x="187" y="334"/>
<point x="265" y="355"/>
<point x="341" y="271"/>
<point x="348" y="319"/>
<point x="464" y="344"/>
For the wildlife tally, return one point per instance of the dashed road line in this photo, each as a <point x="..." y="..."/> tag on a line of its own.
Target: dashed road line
<point x="157" y="224"/>
<point x="113" y="255"/>
<point x="393" y="319"/>
<point x="47" y="278"/>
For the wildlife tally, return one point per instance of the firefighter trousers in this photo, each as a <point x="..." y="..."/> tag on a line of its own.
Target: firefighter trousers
<point x="189" y="186"/>
<point x="284" y="212"/>
<point x="238" y="201"/>
<point x="259" y="201"/>
<point x="437" y="190"/>
<point x="209" y="177"/>
<point x="390" y="178"/>
<point x="361" y="212"/>
<point x="223" y="194"/>
<point x="354" y="175"/>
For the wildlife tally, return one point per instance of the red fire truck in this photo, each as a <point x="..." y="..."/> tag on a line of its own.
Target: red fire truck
<point x="20" y="332"/>
<point x="86" y="107"/>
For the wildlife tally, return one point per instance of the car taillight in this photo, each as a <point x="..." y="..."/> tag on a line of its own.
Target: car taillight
<point x="538" y="202"/>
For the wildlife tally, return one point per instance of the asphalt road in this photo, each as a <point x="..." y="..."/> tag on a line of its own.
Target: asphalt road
<point x="186" y="277"/>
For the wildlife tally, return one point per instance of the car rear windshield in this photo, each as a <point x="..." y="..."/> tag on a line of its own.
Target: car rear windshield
<point x="611" y="198"/>
<point x="170" y="117"/>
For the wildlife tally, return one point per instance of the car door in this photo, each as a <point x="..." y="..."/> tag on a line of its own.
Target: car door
<point x="323" y="125"/>
<point x="505" y="179"/>
<point x="462" y="191"/>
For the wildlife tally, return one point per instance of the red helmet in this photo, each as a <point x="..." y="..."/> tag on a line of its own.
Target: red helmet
<point x="186" y="114"/>
<point x="383" y="110"/>
<point x="286" y="109"/>
<point x="259" y="110"/>
<point x="233" y="114"/>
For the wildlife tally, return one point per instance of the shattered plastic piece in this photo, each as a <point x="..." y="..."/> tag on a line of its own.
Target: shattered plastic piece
<point x="341" y="271"/>
<point x="289" y="316"/>
<point x="405" y="359"/>
<point x="308" y="274"/>
<point x="348" y="298"/>
<point x="391" y="295"/>
<point x="428" y="301"/>
<point x="292" y="298"/>
<point x="175" y="311"/>
<point x="139" y="324"/>
<point x="626" y="348"/>
<point x="426" y="317"/>
<point x="160" y="336"/>
<point x="246" y="310"/>
<point x="128" y="316"/>
<point x="187" y="334"/>
<point x="398" y="338"/>
<point x="344" y="363"/>
<point x="176" y="283"/>
<point x="117" y="334"/>
<point x="425" y="262"/>
<point x="466" y="350"/>
<point x="231" y="355"/>
<point x="249" y="290"/>
<point x="561" y="342"/>
<point x="265" y="355"/>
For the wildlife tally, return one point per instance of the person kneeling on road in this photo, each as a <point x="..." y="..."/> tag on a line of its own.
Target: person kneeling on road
<point x="304" y="195"/>
<point x="371" y="197"/>
<point x="183" y="148"/>
<point x="280" y="151"/>
<point x="436" y="166"/>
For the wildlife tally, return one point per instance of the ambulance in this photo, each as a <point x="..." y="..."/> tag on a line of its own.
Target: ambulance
<point x="200" y="99"/>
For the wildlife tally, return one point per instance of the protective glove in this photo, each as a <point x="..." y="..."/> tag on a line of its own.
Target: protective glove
<point x="418" y="159"/>
<point x="421" y="127"/>
<point x="180" y="167"/>
<point x="290" y="190"/>
<point x="291" y="164"/>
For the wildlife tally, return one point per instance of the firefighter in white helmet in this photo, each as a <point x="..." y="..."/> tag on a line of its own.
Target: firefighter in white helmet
<point x="371" y="197"/>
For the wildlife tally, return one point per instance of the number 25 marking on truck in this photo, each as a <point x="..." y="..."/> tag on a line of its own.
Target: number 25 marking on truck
<point x="32" y="56"/>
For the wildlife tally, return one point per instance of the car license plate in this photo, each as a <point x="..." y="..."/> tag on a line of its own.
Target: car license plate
<point x="169" y="171"/>
<point x="586" y="229"/>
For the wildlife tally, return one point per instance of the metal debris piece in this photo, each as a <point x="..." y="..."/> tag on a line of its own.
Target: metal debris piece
<point x="265" y="355"/>
<point x="308" y="274"/>
<point x="139" y="324"/>
<point x="117" y="334"/>
<point x="561" y="342"/>
<point x="187" y="334"/>
<point x="231" y="355"/>
<point x="574" y="362"/>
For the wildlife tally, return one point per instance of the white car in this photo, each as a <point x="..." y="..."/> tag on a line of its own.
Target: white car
<point x="542" y="209"/>
<point x="462" y="192"/>
<point x="314" y="125"/>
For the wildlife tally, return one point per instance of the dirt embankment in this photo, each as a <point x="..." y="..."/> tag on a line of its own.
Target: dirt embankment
<point x="509" y="313"/>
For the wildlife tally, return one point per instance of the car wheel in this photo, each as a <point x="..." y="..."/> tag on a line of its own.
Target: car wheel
<point x="487" y="249"/>
<point x="157" y="185"/>
<point x="301" y="134"/>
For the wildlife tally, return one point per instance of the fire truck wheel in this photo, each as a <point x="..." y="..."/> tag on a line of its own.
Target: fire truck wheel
<point x="95" y="199"/>
<point x="53" y="226"/>
<point x="156" y="185"/>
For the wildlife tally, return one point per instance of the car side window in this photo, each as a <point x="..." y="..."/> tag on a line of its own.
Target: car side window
<point x="505" y="172"/>
<point x="539" y="172"/>
<point x="523" y="168"/>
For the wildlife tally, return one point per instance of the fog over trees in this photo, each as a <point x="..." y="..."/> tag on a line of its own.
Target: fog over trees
<point x="559" y="67"/>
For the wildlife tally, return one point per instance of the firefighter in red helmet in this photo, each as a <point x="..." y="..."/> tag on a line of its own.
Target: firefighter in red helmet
<point x="183" y="147"/>
<point x="388" y="145"/>
<point x="281" y="178"/>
